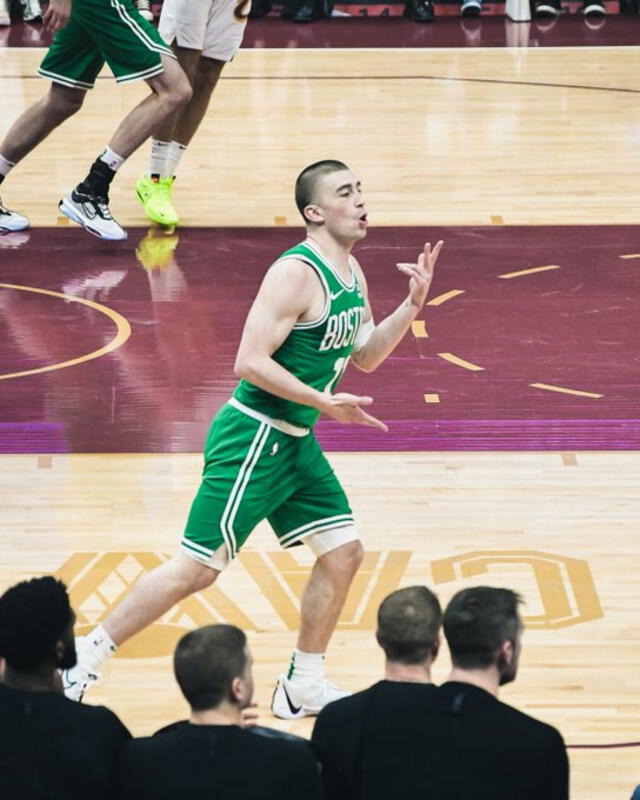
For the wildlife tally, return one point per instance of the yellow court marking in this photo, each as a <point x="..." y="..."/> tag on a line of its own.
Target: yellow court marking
<point x="564" y="390"/>
<point x="442" y="298"/>
<point x="419" y="329"/>
<point x="123" y="331"/>
<point x="460" y="362"/>
<point x="631" y="255"/>
<point x="432" y="398"/>
<point x="521" y="272"/>
<point x="496" y="219"/>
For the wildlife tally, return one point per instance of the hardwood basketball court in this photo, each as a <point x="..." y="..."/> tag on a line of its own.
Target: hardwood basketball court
<point x="442" y="138"/>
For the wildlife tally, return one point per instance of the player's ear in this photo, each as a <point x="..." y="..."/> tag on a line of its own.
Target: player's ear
<point x="313" y="214"/>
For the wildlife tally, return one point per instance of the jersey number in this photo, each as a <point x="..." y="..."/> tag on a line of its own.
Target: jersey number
<point x="338" y="371"/>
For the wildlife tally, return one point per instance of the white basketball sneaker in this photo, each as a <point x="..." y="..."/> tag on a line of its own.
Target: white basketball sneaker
<point x="293" y="701"/>
<point x="11" y="221"/>
<point x="78" y="679"/>
<point x="92" y="212"/>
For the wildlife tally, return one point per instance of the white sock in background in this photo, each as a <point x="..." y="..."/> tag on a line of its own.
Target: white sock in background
<point x="173" y="159"/>
<point x="306" y="667"/>
<point x="158" y="159"/>
<point x="112" y="159"/>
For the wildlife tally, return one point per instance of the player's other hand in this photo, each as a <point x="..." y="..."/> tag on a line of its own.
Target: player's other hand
<point x="346" y="408"/>
<point x="57" y="15"/>
<point x="421" y="274"/>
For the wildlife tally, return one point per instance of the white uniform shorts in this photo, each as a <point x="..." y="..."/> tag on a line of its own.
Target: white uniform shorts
<point x="215" y="27"/>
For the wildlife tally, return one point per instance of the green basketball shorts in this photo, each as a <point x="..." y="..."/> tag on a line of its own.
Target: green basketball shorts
<point x="253" y="471"/>
<point x="99" y="31"/>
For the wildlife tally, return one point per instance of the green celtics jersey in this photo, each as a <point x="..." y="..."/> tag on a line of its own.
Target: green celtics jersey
<point x="317" y="352"/>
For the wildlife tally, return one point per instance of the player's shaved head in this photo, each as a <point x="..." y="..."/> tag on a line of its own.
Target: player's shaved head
<point x="408" y="624"/>
<point x="309" y="179"/>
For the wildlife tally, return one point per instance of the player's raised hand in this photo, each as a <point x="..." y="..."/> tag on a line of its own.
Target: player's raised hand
<point x="57" y="15"/>
<point x="421" y="274"/>
<point x="346" y="409"/>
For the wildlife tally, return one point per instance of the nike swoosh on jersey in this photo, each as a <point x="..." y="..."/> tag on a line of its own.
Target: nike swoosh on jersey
<point x="337" y="294"/>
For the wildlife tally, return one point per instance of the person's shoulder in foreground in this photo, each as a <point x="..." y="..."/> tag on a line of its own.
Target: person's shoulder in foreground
<point x="183" y="759"/>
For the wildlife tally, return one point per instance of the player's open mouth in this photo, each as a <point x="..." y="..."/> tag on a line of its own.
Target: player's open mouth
<point x="363" y="218"/>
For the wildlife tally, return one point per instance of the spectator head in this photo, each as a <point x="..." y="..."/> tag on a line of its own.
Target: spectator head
<point x="213" y="666"/>
<point x="409" y="625"/>
<point x="483" y="629"/>
<point x="328" y="195"/>
<point x="36" y="626"/>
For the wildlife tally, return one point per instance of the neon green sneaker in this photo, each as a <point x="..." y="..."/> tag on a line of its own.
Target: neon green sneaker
<point x="155" y="198"/>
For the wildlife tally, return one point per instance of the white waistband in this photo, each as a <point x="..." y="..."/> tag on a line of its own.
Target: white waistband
<point x="278" y="424"/>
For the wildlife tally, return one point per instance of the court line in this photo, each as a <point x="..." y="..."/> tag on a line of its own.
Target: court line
<point x="123" y="331"/>
<point x="442" y="298"/>
<point x="564" y="390"/>
<point x="460" y="362"/>
<point x="419" y="329"/>
<point x="446" y="79"/>
<point x="611" y="746"/>
<point x="531" y="271"/>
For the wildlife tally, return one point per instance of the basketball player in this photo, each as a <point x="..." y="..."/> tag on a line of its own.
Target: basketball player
<point x="262" y="461"/>
<point x="204" y="36"/>
<point x="90" y="32"/>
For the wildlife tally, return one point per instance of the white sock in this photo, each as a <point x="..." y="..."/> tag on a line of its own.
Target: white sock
<point x="175" y="154"/>
<point x="158" y="158"/>
<point x="306" y="667"/>
<point x="112" y="159"/>
<point x="98" y="646"/>
<point x="5" y="166"/>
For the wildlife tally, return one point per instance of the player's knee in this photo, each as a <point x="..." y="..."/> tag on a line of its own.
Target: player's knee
<point x="179" y="92"/>
<point x="207" y="75"/>
<point x="63" y="102"/>
<point x="195" y="576"/>
<point x="347" y="558"/>
<point x="354" y="554"/>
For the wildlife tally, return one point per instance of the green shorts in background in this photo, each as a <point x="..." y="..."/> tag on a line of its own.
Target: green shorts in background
<point x="99" y="31"/>
<point x="254" y="471"/>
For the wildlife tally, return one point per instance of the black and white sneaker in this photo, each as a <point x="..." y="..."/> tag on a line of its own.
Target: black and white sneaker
<point x="92" y="212"/>
<point x="593" y="8"/>
<point x="548" y="8"/>
<point x="292" y="701"/>
<point x="11" y="221"/>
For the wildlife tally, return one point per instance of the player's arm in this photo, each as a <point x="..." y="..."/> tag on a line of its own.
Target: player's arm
<point x="387" y="334"/>
<point x="285" y="295"/>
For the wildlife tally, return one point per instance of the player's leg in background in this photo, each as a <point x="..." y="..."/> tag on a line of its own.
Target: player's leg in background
<point x="153" y="190"/>
<point x="170" y="90"/>
<point x="31" y="128"/>
<point x="37" y="122"/>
